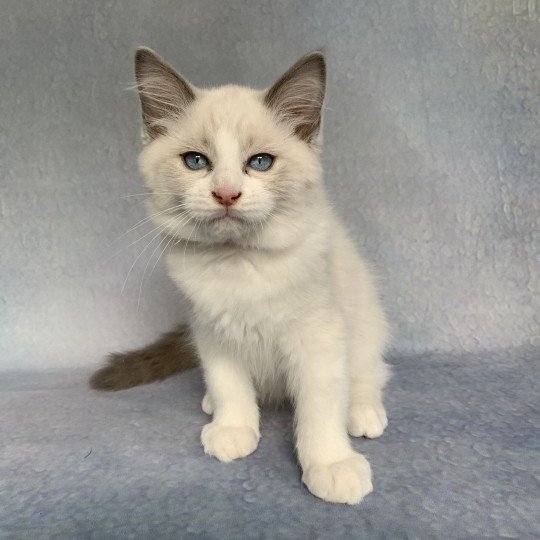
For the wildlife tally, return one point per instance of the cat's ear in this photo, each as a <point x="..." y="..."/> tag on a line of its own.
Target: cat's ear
<point x="298" y="95"/>
<point x="164" y="93"/>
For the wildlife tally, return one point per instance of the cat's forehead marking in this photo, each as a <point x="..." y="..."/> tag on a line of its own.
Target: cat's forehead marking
<point x="227" y="146"/>
<point x="237" y="109"/>
<point x="234" y="113"/>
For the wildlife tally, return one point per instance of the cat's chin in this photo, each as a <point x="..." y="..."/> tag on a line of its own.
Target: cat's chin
<point x="227" y="227"/>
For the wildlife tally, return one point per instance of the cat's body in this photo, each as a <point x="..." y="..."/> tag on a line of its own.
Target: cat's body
<point x="270" y="292"/>
<point x="283" y="307"/>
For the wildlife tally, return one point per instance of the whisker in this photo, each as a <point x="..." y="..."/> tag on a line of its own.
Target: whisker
<point x="172" y="238"/>
<point x="148" y="193"/>
<point x="150" y="217"/>
<point x="161" y="229"/>
<point x="135" y="242"/>
<point x="187" y="242"/>
<point x="144" y="271"/>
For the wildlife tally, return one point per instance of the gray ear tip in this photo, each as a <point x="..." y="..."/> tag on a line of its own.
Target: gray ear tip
<point x="144" y="53"/>
<point x="318" y="58"/>
<point x="318" y="54"/>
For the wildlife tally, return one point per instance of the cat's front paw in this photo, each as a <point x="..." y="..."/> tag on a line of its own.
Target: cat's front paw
<point x="227" y="443"/>
<point x="347" y="481"/>
<point x="367" y="420"/>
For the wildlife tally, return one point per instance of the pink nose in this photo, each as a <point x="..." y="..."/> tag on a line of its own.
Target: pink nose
<point x="226" y="197"/>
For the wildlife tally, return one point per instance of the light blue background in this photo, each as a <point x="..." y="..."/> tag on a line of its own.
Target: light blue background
<point x="431" y="157"/>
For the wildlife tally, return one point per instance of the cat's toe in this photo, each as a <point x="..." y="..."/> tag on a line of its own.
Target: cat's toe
<point x="367" y="420"/>
<point x="347" y="481"/>
<point x="227" y="443"/>
<point x="206" y="405"/>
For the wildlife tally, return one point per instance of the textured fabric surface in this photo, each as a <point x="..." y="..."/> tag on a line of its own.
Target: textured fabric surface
<point x="431" y="156"/>
<point x="460" y="459"/>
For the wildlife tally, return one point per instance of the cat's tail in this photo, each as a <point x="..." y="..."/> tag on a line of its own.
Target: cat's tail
<point x="170" y="354"/>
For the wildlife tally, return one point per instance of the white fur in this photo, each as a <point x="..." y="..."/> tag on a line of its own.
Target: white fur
<point x="283" y="306"/>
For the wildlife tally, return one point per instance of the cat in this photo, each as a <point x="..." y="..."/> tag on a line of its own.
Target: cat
<point x="283" y="307"/>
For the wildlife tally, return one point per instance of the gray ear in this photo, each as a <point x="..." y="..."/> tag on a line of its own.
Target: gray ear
<point x="298" y="95"/>
<point x="163" y="92"/>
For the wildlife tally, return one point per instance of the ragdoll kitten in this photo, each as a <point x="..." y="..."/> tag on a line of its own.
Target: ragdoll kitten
<point x="283" y="306"/>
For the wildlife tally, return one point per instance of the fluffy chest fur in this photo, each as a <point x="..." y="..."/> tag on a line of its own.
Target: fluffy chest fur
<point x="247" y="298"/>
<point x="247" y="295"/>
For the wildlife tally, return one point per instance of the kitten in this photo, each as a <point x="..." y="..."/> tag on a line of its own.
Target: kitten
<point x="283" y="306"/>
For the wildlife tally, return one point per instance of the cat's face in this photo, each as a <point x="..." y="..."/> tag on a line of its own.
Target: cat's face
<point x="231" y="164"/>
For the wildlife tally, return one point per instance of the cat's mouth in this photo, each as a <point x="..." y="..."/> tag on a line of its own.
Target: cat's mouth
<point x="227" y="217"/>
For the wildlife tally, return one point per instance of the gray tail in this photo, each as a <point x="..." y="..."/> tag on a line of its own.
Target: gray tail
<point x="172" y="353"/>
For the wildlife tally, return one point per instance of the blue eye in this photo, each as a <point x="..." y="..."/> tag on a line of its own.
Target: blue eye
<point x="195" y="161"/>
<point x="261" y="162"/>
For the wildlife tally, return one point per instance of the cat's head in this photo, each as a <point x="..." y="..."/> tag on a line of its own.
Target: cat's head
<point x="231" y="164"/>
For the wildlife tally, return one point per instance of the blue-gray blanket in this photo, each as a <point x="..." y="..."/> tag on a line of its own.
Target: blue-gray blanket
<point x="460" y="459"/>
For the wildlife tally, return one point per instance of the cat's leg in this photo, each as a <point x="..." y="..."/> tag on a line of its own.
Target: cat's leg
<point x="368" y="375"/>
<point x="367" y="334"/>
<point x="234" y="430"/>
<point x="367" y="415"/>
<point x="318" y="383"/>
<point x="206" y="404"/>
